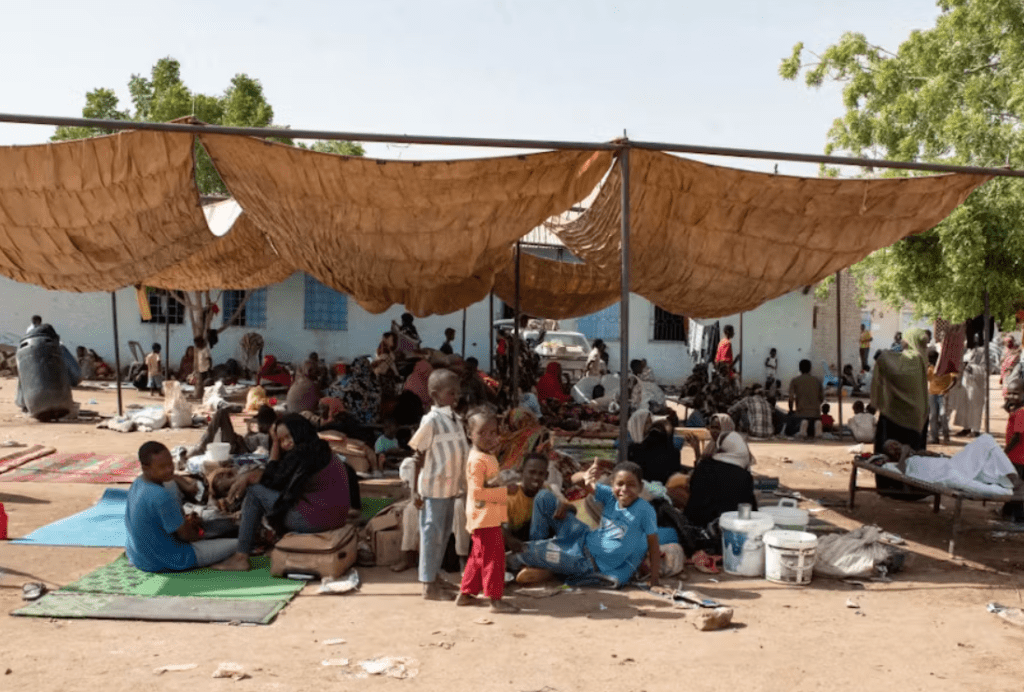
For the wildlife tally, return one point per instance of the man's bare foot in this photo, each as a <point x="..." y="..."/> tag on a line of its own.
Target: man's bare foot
<point x="433" y="592"/>
<point x="239" y="562"/>
<point x="500" y="606"/>
<point x="466" y="599"/>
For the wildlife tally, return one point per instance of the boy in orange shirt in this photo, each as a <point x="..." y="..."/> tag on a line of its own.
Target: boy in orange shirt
<point x="486" y="511"/>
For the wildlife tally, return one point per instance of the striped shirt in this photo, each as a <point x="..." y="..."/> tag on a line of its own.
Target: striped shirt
<point x="443" y="441"/>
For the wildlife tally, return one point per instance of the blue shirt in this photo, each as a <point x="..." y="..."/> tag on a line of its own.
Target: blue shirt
<point x="619" y="543"/>
<point x="151" y="518"/>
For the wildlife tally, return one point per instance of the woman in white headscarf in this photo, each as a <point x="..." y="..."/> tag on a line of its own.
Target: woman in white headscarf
<point x="721" y="483"/>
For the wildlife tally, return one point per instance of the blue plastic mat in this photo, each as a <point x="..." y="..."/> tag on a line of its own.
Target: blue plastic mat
<point x="100" y="526"/>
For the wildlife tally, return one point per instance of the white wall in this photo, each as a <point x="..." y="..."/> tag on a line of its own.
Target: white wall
<point x="86" y="319"/>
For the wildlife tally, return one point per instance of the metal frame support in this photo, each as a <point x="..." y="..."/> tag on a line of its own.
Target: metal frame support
<point x="987" y="330"/>
<point x="624" y="308"/>
<point x="839" y="348"/>
<point x="515" y="341"/>
<point x="117" y="354"/>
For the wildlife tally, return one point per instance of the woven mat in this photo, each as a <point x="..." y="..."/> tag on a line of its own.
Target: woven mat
<point x="79" y="467"/>
<point x="23" y="455"/>
<point x="63" y="604"/>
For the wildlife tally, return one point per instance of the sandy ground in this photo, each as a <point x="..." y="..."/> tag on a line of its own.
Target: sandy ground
<point x="926" y="630"/>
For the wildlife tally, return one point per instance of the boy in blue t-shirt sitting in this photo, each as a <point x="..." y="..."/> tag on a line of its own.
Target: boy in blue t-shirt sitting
<point x="160" y="537"/>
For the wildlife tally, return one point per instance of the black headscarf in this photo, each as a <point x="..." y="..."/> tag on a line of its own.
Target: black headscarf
<point x="290" y="474"/>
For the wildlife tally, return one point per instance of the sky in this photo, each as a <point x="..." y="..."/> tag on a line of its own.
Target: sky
<point x="681" y="71"/>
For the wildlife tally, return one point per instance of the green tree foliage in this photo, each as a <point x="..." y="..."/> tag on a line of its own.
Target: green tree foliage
<point x="954" y="94"/>
<point x="163" y="97"/>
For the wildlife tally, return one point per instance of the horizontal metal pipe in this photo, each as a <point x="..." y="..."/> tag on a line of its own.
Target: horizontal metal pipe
<point x="307" y="134"/>
<point x="507" y="143"/>
<point x="821" y="158"/>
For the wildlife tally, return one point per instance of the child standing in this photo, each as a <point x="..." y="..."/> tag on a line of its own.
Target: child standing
<point x="156" y="381"/>
<point x="441" y="450"/>
<point x="486" y="511"/>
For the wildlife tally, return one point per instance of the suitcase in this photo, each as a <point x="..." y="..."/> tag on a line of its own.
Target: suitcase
<point x="326" y="554"/>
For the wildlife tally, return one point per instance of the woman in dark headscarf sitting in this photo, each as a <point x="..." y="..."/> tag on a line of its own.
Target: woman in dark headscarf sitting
<point x="652" y="447"/>
<point x="721" y="483"/>
<point x="304" y="488"/>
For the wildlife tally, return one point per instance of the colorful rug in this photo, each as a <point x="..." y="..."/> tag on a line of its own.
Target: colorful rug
<point x="22" y="455"/>
<point x="100" y="526"/>
<point x="120" y="591"/>
<point x="79" y="467"/>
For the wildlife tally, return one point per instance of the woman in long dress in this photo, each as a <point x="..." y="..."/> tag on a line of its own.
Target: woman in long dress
<point x="972" y="404"/>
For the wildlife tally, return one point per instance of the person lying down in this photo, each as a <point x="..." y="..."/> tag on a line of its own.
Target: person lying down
<point x="980" y="467"/>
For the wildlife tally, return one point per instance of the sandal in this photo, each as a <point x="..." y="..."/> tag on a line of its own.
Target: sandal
<point x="32" y="591"/>
<point x="708" y="564"/>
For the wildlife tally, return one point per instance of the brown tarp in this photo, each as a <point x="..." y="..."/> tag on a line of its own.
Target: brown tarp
<point x="428" y="235"/>
<point x="557" y="290"/>
<point x="98" y="214"/>
<point x="241" y="259"/>
<point x="709" y="241"/>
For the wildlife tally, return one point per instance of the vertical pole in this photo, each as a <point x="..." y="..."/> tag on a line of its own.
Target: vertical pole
<point x="490" y="335"/>
<point x="839" y="348"/>
<point x="624" y="308"/>
<point x="741" y="351"/>
<point x="167" y="335"/>
<point x="515" y="338"/>
<point x="117" y="354"/>
<point x="988" y="366"/>
<point x="463" y="332"/>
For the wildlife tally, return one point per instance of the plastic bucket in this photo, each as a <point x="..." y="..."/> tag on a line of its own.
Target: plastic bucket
<point x="742" y="547"/>
<point x="218" y="451"/>
<point x="789" y="556"/>
<point x="788" y="516"/>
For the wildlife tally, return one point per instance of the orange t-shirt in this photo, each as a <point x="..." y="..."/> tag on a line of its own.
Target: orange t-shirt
<point x="485" y="507"/>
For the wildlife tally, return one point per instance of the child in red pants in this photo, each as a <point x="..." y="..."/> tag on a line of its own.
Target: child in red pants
<point x="486" y="511"/>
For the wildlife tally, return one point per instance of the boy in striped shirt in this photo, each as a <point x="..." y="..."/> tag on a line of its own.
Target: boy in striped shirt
<point x="441" y="450"/>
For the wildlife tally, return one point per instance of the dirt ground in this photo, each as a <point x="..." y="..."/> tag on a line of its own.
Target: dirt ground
<point x="926" y="630"/>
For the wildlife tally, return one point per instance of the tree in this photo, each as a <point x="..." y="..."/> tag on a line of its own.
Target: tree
<point x="953" y="94"/>
<point x="163" y="97"/>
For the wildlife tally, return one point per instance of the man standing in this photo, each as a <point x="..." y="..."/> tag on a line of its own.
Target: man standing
<point x="806" y="394"/>
<point x="865" y="345"/>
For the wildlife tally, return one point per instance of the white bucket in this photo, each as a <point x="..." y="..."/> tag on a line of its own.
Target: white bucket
<point x="789" y="556"/>
<point x="218" y="451"/>
<point x="787" y="515"/>
<point x="742" y="548"/>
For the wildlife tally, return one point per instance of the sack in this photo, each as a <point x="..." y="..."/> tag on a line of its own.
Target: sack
<point x="853" y="554"/>
<point x="325" y="554"/>
<point x="178" y="410"/>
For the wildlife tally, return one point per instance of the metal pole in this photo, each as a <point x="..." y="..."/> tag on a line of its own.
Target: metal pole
<point x="515" y="339"/>
<point x="839" y="347"/>
<point x="988" y="366"/>
<point x="490" y="335"/>
<point x="740" y="359"/>
<point x="117" y="354"/>
<point x="463" y="332"/>
<point x="116" y="125"/>
<point x="167" y="335"/>
<point x="624" y="309"/>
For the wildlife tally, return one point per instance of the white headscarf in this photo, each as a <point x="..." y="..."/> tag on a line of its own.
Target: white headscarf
<point x="639" y="424"/>
<point x="733" y="450"/>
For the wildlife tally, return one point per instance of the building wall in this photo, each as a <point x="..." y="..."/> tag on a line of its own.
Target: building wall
<point x="823" y="348"/>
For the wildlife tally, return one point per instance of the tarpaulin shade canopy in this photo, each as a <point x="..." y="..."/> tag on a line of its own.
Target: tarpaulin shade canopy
<point x="709" y="241"/>
<point x="241" y="259"/>
<point x="98" y="214"/>
<point x="427" y="235"/>
<point x="557" y="290"/>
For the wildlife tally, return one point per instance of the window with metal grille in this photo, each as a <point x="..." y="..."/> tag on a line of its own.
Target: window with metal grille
<point x="253" y="313"/>
<point x="602" y="325"/>
<point x="174" y="313"/>
<point x="669" y="326"/>
<point x="325" y="308"/>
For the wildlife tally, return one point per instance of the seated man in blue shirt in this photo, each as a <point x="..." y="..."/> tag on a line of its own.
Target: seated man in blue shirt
<point x="160" y="537"/>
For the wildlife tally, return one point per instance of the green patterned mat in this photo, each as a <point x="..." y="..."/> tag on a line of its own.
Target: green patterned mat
<point x="120" y="578"/>
<point x="122" y="592"/>
<point x="65" y="604"/>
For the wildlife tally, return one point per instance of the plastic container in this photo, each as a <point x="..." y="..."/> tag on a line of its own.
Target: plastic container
<point x="788" y="516"/>
<point x="43" y="375"/>
<point x="789" y="556"/>
<point x="742" y="545"/>
<point x="218" y="451"/>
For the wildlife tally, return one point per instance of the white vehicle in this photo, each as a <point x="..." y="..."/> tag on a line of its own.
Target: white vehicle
<point x="568" y="349"/>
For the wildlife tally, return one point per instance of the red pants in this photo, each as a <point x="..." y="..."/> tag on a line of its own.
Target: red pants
<point x="485" y="568"/>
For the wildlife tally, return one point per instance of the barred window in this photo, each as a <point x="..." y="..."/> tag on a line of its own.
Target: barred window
<point x="325" y="308"/>
<point x="253" y="314"/>
<point x="669" y="326"/>
<point x="602" y="325"/>
<point x="174" y="314"/>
